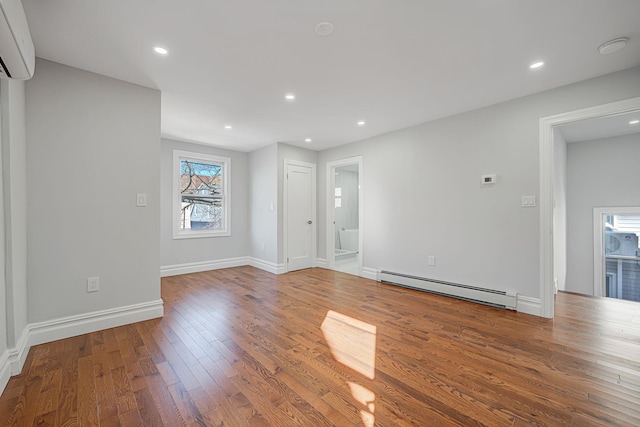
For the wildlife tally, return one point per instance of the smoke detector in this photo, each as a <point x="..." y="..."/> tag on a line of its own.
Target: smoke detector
<point x="324" y="29"/>
<point x="613" y="46"/>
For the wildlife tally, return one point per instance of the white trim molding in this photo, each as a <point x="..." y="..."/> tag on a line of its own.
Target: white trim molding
<point x="370" y="273"/>
<point x="5" y="370"/>
<point x="321" y="263"/>
<point x="217" y="264"/>
<point x="197" y="267"/>
<point x="18" y="354"/>
<point x="547" y="124"/>
<point x="528" y="305"/>
<point x="70" y="326"/>
<point x="12" y="360"/>
<point x="269" y="266"/>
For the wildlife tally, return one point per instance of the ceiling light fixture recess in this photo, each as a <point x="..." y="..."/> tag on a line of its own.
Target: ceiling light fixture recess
<point x="290" y="97"/>
<point x="536" y="65"/>
<point x="361" y="123"/>
<point x="160" y="50"/>
<point x="307" y="140"/>
<point x="613" y="45"/>
<point x="228" y="127"/>
<point x="634" y="122"/>
<point x="324" y="29"/>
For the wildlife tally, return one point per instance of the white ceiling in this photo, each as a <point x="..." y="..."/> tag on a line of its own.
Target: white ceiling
<point x="393" y="63"/>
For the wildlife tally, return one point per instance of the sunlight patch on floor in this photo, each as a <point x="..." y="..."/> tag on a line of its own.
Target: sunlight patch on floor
<point x="367" y="398"/>
<point x="352" y="342"/>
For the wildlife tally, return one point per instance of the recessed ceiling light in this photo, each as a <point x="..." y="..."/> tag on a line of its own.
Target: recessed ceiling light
<point x="613" y="46"/>
<point x="361" y="123"/>
<point x="160" y="50"/>
<point x="536" y="65"/>
<point x="307" y="140"/>
<point x="290" y="97"/>
<point x="634" y="122"/>
<point x="324" y="29"/>
<point x="228" y="127"/>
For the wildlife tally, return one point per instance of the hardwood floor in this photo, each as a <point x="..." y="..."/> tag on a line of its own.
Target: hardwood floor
<point x="242" y="347"/>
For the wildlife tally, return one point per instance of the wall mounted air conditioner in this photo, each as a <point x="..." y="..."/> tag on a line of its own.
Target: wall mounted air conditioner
<point x="621" y="243"/>
<point x="17" y="54"/>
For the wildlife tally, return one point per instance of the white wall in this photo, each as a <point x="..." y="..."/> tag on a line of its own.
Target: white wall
<point x="289" y="152"/>
<point x="14" y="225"/>
<point x="560" y="209"/>
<point x="422" y="193"/>
<point x="185" y="251"/>
<point x="600" y="173"/>
<point x="263" y="190"/>
<point x="93" y="143"/>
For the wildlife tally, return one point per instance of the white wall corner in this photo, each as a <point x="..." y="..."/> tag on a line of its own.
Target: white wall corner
<point x="370" y="273"/>
<point x="529" y="305"/>
<point x="321" y="263"/>
<point x="197" y="267"/>
<point x="282" y="268"/>
<point x="269" y="266"/>
<point x="85" y="323"/>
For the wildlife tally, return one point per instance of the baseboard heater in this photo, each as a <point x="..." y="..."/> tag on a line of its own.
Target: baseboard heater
<point x="475" y="294"/>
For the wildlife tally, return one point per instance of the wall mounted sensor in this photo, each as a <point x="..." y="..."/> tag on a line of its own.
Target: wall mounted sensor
<point x="489" y="180"/>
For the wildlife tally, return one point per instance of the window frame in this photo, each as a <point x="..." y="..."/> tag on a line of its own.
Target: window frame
<point x="225" y="163"/>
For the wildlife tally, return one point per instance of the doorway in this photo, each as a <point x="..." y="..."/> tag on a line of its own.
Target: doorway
<point x="548" y="126"/>
<point x="299" y="215"/>
<point x="344" y="215"/>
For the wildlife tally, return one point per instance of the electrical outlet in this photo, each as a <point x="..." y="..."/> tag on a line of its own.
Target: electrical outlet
<point x="431" y="260"/>
<point x="93" y="284"/>
<point x="141" y="200"/>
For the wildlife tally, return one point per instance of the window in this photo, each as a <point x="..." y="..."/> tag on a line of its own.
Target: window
<point x="201" y="197"/>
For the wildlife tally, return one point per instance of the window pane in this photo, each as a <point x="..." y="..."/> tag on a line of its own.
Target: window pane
<point x="200" y="178"/>
<point x="201" y="196"/>
<point x="201" y="216"/>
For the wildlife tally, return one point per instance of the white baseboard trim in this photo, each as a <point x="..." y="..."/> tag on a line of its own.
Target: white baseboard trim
<point x="85" y="323"/>
<point x="321" y="263"/>
<point x="370" y="273"/>
<point x="12" y="360"/>
<point x="197" y="267"/>
<point x="529" y="305"/>
<point x="5" y="370"/>
<point x="269" y="266"/>
<point x="18" y="354"/>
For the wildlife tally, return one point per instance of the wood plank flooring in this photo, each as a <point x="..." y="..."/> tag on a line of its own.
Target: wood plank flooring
<point x="242" y="347"/>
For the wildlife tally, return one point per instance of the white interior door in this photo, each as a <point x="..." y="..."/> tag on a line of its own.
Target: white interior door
<point x="300" y="225"/>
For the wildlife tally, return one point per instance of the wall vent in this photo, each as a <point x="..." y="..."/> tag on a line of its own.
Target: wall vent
<point x="475" y="294"/>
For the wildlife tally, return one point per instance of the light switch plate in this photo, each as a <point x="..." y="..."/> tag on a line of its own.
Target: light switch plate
<point x="528" y="201"/>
